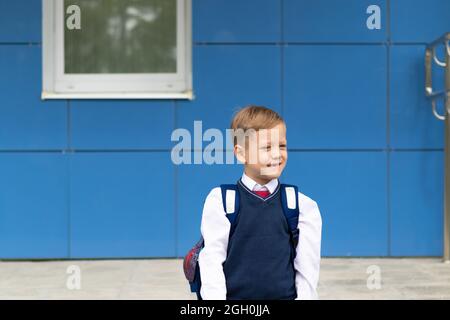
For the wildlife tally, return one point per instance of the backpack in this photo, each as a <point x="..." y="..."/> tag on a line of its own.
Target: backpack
<point x="230" y="200"/>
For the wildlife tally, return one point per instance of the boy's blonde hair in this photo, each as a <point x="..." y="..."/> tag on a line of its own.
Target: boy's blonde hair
<point x="255" y="118"/>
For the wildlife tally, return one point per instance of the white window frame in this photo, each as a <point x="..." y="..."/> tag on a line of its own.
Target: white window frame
<point x="58" y="85"/>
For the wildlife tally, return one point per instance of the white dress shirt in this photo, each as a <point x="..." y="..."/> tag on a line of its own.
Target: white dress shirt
<point x="253" y="185"/>
<point x="215" y="228"/>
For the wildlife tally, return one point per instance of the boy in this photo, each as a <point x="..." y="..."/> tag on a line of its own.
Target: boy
<point x="255" y="261"/>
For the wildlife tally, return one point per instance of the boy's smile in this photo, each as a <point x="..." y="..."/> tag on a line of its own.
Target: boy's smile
<point x="266" y="154"/>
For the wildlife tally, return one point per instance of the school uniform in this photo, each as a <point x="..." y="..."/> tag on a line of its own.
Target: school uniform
<point x="256" y="261"/>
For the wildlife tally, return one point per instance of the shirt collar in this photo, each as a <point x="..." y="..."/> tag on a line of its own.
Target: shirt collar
<point x="250" y="183"/>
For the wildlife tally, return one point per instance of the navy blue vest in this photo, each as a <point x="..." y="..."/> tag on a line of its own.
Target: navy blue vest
<point x="259" y="262"/>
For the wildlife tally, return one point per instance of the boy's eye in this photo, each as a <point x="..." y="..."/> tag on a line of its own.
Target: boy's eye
<point x="282" y="146"/>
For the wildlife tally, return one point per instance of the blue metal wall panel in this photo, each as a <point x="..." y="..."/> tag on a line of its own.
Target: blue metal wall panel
<point x="412" y="122"/>
<point x="122" y="205"/>
<point x="350" y="189"/>
<point x="122" y="124"/>
<point x="20" y="21"/>
<point x="332" y="21"/>
<point x="417" y="198"/>
<point x="33" y="205"/>
<point x="335" y="96"/>
<point x="419" y="20"/>
<point x="228" y="77"/>
<point x="332" y="96"/>
<point x="237" y="20"/>
<point x="26" y="122"/>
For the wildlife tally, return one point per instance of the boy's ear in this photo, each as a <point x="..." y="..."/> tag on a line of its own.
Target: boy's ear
<point x="239" y="152"/>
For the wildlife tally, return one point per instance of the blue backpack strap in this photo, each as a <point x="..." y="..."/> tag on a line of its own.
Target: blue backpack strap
<point x="289" y="201"/>
<point x="230" y="200"/>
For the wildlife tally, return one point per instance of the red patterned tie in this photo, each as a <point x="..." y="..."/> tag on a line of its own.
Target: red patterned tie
<point x="263" y="192"/>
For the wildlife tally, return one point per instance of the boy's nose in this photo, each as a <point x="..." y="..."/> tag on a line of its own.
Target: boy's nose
<point x="276" y="154"/>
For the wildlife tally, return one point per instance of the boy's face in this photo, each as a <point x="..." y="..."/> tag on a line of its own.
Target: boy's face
<point x="265" y="155"/>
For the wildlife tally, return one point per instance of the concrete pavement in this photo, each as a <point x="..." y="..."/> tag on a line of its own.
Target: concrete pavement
<point x="161" y="279"/>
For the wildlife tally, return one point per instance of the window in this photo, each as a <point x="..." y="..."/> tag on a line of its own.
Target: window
<point x="111" y="49"/>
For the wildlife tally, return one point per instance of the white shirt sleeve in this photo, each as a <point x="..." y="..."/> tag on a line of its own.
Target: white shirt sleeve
<point x="215" y="229"/>
<point x="307" y="260"/>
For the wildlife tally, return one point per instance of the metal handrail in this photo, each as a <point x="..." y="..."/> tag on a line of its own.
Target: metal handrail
<point x="436" y="114"/>
<point x="445" y="37"/>
<point x="430" y="56"/>
<point x="436" y="59"/>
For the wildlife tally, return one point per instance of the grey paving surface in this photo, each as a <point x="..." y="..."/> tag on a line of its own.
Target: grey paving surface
<point x="341" y="278"/>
